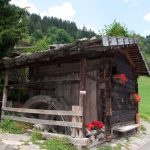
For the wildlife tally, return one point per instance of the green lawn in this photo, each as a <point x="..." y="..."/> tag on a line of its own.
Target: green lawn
<point x="144" y="91"/>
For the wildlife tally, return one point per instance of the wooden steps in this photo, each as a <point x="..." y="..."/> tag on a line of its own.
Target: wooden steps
<point x="127" y="128"/>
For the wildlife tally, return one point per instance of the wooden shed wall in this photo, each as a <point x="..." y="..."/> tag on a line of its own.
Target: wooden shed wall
<point x="122" y="110"/>
<point x="68" y="92"/>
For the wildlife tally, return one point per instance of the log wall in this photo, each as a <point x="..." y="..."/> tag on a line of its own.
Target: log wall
<point x="69" y="92"/>
<point x="122" y="110"/>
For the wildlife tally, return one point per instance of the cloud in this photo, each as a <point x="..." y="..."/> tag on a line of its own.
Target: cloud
<point x="127" y="1"/>
<point x="25" y="3"/>
<point x="147" y="16"/>
<point x="64" y="11"/>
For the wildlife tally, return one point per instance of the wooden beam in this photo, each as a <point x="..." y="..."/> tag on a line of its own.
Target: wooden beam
<point x="44" y="122"/>
<point x="82" y="94"/>
<point x="137" y="117"/>
<point x="107" y="98"/>
<point x="45" y="112"/>
<point x="83" y="70"/>
<point x="49" y="82"/>
<point x="4" y="100"/>
<point x="74" y="141"/>
<point x="126" y="54"/>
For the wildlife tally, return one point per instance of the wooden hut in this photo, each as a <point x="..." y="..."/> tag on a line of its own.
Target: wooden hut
<point x="77" y="81"/>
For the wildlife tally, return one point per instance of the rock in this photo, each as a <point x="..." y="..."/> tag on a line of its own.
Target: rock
<point x="8" y="142"/>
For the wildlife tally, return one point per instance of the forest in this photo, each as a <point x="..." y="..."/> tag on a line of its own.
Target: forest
<point x="19" y="28"/>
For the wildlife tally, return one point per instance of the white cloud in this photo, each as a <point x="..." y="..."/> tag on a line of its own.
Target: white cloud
<point x="147" y="16"/>
<point x="127" y="1"/>
<point x="25" y="4"/>
<point x="65" y="11"/>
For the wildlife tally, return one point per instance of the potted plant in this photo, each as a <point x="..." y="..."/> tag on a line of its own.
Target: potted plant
<point x="120" y="78"/>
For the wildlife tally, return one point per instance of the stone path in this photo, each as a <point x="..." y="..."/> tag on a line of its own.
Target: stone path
<point x="137" y="141"/>
<point x="16" y="142"/>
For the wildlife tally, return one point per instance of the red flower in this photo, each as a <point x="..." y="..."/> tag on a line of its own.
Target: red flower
<point x="98" y="124"/>
<point x="122" y="78"/>
<point x="136" y="97"/>
<point x="89" y="126"/>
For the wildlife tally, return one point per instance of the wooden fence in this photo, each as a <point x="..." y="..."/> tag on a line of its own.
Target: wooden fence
<point x="74" y="123"/>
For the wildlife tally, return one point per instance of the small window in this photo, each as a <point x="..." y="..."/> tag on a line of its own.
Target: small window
<point x="114" y="70"/>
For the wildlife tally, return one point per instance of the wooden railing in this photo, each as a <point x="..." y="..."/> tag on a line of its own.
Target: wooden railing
<point x="74" y="113"/>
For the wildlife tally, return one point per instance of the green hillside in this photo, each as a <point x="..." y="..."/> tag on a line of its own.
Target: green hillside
<point x="144" y="91"/>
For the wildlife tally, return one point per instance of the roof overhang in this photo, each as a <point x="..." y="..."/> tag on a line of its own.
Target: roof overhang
<point x="105" y="46"/>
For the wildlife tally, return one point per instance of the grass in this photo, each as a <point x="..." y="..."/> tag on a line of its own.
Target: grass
<point x="144" y="91"/>
<point x="118" y="147"/>
<point x="36" y="136"/>
<point x="58" y="144"/>
<point x="13" y="127"/>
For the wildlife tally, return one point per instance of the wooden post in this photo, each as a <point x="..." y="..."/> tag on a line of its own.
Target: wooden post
<point x="4" y="100"/>
<point x="82" y="96"/>
<point x="137" y="117"/>
<point x="107" y="98"/>
<point x="74" y="132"/>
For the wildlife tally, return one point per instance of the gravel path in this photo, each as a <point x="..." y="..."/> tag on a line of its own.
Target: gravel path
<point x="140" y="141"/>
<point x="16" y="142"/>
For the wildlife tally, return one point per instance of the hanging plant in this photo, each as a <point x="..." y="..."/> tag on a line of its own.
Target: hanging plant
<point x="120" y="78"/>
<point x="135" y="97"/>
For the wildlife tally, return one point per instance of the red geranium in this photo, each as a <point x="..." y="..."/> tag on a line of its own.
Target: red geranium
<point x="136" y="97"/>
<point x="89" y="126"/>
<point x="98" y="124"/>
<point x="122" y="78"/>
<point x="94" y="125"/>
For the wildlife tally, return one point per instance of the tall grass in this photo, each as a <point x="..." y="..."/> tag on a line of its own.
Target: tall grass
<point x="144" y="91"/>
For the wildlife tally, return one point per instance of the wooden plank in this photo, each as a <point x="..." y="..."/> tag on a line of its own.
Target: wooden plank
<point x="44" y="122"/>
<point x="127" y="128"/>
<point x="74" y="141"/>
<point x="83" y="71"/>
<point x="43" y="82"/>
<point x="46" y="112"/>
<point x="74" y="132"/>
<point x="4" y="100"/>
<point x="83" y="90"/>
<point x="107" y="98"/>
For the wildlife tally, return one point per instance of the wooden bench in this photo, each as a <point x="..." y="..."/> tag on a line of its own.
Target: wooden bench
<point x="126" y="128"/>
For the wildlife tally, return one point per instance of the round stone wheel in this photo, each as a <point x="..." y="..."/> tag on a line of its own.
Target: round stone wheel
<point x="48" y="103"/>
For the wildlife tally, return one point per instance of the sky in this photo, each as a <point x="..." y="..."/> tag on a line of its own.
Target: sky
<point x="94" y="14"/>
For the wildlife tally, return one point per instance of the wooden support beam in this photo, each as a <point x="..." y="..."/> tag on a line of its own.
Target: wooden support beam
<point x="4" y="100"/>
<point x="82" y="94"/>
<point x="137" y="117"/>
<point x="40" y="83"/>
<point x="107" y="98"/>
<point x="83" y="70"/>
